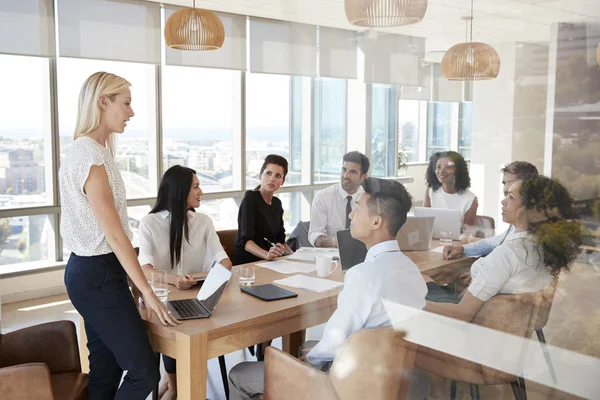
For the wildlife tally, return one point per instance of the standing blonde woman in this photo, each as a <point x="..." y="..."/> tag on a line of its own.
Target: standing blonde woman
<point x="94" y="227"/>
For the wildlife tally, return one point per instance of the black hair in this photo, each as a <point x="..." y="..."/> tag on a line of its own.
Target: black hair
<point x="388" y="199"/>
<point x="461" y="174"/>
<point x="277" y="160"/>
<point x="360" y="159"/>
<point x="172" y="196"/>
<point x="558" y="236"/>
<point x="522" y="169"/>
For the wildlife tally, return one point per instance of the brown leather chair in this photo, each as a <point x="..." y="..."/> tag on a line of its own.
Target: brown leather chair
<point x="374" y="363"/>
<point x="42" y="362"/>
<point x="485" y="226"/>
<point x="517" y="314"/>
<point x="227" y="238"/>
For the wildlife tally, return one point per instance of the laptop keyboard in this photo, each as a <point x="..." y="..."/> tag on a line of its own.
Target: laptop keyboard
<point x="188" y="308"/>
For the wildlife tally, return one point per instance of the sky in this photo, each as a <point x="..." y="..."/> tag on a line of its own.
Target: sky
<point x="192" y="97"/>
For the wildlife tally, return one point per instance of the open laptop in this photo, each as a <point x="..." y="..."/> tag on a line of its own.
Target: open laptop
<point x="416" y="234"/>
<point x="352" y="251"/>
<point x="208" y="296"/>
<point x="445" y="220"/>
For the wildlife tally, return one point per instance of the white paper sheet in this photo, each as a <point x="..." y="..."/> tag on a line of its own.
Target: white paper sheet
<point x="216" y="277"/>
<point x="310" y="283"/>
<point x="309" y="253"/>
<point x="288" y="267"/>
<point x="438" y="250"/>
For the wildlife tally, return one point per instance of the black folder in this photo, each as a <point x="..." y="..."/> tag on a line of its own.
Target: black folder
<point x="268" y="292"/>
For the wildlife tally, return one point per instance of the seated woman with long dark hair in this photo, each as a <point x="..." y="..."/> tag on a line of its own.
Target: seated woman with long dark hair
<point x="193" y="244"/>
<point x="544" y="243"/>
<point x="448" y="184"/>
<point x="261" y="235"/>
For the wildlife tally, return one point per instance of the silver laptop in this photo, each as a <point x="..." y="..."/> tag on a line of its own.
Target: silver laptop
<point x="208" y="296"/>
<point x="416" y="234"/>
<point x="445" y="220"/>
<point x="352" y="251"/>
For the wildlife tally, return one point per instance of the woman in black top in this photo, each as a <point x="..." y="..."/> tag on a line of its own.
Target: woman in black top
<point x="260" y="219"/>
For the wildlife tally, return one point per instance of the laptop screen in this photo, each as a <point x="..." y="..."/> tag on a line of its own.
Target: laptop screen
<point x="214" y="285"/>
<point x="352" y="251"/>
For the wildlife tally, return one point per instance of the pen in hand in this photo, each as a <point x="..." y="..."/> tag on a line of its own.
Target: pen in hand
<point x="280" y="246"/>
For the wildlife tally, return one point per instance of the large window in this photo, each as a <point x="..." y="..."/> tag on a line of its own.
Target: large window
<point x="439" y="127"/>
<point x="383" y="130"/>
<point x="409" y="119"/>
<point x="267" y="121"/>
<point x="25" y="131"/>
<point x="201" y="113"/>
<point x="465" y="130"/>
<point x="135" y="155"/>
<point x="24" y="239"/>
<point x="330" y="105"/>
<point x="223" y="212"/>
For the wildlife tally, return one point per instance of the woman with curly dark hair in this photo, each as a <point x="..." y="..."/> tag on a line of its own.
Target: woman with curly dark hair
<point x="543" y="244"/>
<point x="448" y="184"/>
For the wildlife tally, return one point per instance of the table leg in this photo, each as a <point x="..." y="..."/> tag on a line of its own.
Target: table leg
<point x="292" y="342"/>
<point x="83" y="350"/>
<point x="192" y="374"/>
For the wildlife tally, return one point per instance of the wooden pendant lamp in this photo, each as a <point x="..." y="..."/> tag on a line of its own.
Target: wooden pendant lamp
<point x="470" y="61"/>
<point x="194" y="29"/>
<point x="384" y="13"/>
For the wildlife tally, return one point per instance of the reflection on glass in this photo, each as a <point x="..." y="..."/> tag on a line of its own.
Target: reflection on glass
<point x="200" y="108"/>
<point x="25" y="155"/>
<point x="24" y="239"/>
<point x="133" y="149"/>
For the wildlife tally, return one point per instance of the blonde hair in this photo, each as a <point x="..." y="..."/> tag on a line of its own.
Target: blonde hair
<point x="88" y="110"/>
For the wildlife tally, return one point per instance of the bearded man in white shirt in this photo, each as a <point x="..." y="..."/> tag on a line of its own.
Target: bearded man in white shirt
<point x="331" y="207"/>
<point x="386" y="273"/>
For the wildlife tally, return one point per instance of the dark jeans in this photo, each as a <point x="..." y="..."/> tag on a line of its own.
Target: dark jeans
<point x="441" y="294"/>
<point x="117" y="338"/>
<point x="170" y="364"/>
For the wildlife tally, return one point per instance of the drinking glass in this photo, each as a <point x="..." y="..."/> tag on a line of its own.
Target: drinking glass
<point x="445" y="238"/>
<point x="247" y="275"/>
<point x="159" y="284"/>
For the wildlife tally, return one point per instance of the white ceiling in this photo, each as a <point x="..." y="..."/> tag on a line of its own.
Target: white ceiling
<point x="495" y="20"/>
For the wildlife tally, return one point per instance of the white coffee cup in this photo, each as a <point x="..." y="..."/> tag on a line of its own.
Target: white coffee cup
<point x="325" y="265"/>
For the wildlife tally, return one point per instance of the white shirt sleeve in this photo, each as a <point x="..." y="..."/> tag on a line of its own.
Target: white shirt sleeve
<point x="214" y="249"/>
<point x="318" y="218"/>
<point x="146" y="255"/>
<point x="492" y="272"/>
<point x="354" y="306"/>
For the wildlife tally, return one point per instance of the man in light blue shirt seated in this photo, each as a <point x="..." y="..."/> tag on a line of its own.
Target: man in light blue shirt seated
<point x="386" y="273"/>
<point x="518" y="170"/>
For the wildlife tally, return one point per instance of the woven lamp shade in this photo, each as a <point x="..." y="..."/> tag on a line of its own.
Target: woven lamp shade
<point x="384" y="13"/>
<point x="472" y="61"/>
<point x="194" y="29"/>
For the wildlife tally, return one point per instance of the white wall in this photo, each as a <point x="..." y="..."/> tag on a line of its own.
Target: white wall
<point x="506" y="125"/>
<point x="32" y="286"/>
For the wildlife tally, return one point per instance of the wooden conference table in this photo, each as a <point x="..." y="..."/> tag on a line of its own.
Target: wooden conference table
<point x="241" y="320"/>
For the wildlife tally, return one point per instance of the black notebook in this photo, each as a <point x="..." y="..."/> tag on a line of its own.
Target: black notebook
<point x="268" y="292"/>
